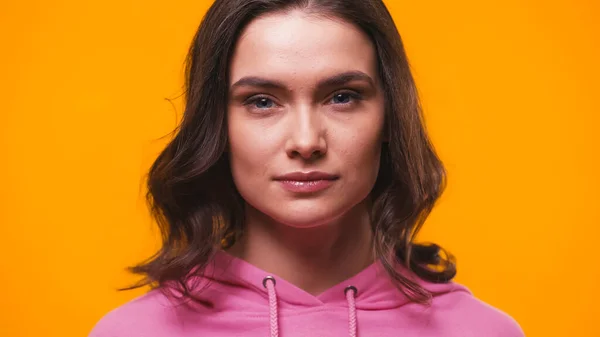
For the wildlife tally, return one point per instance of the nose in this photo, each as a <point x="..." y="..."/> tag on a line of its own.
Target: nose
<point x="307" y="135"/>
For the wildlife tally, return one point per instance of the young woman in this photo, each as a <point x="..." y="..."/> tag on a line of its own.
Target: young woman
<point x="291" y="194"/>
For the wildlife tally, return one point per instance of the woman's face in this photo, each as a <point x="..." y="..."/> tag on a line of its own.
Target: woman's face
<point x="305" y="118"/>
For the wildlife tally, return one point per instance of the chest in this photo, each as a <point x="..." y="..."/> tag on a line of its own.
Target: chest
<point x="328" y="323"/>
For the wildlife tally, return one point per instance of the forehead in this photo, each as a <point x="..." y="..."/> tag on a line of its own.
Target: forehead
<point x="294" y="45"/>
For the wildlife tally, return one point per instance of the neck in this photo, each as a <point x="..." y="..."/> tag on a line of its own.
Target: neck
<point x="313" y="259"/>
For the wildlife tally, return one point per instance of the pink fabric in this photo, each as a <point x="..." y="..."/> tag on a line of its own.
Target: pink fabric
<point x="350" y="294"/>
<point x="269" y="283"/>
<point x="236" y="302"/>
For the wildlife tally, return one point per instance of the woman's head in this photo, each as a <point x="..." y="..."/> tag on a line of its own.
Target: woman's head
<point x="277" y="87"/>
<point x="299" y="103"/>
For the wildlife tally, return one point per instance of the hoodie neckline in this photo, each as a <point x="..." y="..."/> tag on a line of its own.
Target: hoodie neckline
<point x="375" y="288"/>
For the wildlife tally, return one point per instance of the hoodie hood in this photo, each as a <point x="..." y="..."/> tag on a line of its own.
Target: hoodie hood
<point x="239" y="299"/>
<point x="374" y="288"/>
<point x="231" y="283"/>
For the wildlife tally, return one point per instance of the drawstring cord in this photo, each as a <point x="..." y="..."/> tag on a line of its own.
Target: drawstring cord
<point x="269" y="283"/>
<point x="350" y="292"/>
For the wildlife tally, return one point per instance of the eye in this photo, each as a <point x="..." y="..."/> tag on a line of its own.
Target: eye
<point x="344" y="97"/>
<point x="261" y="103"/>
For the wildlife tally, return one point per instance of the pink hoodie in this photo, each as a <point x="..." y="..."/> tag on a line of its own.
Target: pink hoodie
<point x="243" y="301"/>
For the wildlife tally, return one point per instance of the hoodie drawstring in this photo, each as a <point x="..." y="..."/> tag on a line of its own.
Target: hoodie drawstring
<point x="350" y="292"/>
<point x="269" y="283"/>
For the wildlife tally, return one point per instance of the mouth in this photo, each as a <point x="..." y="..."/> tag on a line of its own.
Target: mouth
<point x="306" y="182"/>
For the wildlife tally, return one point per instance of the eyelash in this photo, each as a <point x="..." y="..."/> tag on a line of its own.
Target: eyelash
<point x="353" y="95"/>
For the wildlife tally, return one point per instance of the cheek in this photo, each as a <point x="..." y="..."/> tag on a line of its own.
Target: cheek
<point x="249" y="153"/>
<point x="363" y="161"/>
<point x="361" y="151"/>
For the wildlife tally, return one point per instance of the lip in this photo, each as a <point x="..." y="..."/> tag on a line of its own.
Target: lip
<point x="307" y="176"/>
<point x="306" y="182"/>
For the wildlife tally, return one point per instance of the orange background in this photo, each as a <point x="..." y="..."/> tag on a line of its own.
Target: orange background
<point x="510" y="89"/>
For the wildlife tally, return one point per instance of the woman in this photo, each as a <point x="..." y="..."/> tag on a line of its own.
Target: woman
<point x="292" y="191"/>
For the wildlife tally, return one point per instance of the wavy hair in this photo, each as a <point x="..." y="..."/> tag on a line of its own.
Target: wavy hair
<point x="191" y="193"/>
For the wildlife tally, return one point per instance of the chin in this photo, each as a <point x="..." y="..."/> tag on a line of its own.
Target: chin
<point x="306" y="214"/>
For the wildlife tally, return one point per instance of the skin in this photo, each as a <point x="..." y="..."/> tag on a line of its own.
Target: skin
<point x="283" y="117"/>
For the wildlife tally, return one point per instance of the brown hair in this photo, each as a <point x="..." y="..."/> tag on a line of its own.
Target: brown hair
<point x="190" y="189"/>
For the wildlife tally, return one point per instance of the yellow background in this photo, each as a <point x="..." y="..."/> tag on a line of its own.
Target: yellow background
<point x="510" y="90"/>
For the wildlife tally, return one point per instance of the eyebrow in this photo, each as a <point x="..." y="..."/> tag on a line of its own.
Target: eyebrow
<point x="336" y="80"/>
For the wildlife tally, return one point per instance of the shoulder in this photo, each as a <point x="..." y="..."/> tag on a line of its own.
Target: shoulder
<point x="151" y="314"/>
<point x="473" y="316"/>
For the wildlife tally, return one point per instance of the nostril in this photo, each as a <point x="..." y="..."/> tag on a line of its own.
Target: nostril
<point x="308" y="155"/>
<point x="316" y="155"/>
